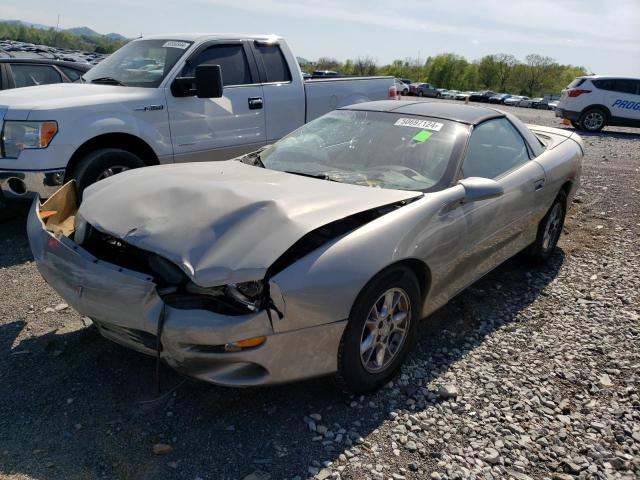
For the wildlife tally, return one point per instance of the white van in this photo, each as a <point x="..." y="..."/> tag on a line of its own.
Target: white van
<point x="595" y="101"/>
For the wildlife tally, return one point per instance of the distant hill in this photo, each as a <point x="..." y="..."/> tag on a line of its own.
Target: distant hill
<point x="78" y="38"/>
<point x="79" y="31"/>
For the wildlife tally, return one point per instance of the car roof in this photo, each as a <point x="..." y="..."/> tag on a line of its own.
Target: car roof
<point x="608" y="77"/>
<point x="469" y="114"/>
<point x="48" y="61"/>
<point x="197" y="37"/>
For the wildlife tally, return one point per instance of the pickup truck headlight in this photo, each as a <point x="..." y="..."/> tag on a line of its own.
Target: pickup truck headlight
<point x="16" y="136"/>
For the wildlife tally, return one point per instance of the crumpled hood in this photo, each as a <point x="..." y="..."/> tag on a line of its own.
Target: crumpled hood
<point x="222" y="222"/>
<point x="66" y="95"/>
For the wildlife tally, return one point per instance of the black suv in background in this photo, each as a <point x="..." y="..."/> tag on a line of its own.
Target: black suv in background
<point x="28" y="72"/>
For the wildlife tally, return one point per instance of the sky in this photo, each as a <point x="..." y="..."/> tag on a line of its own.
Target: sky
<point x="601" y="35"/>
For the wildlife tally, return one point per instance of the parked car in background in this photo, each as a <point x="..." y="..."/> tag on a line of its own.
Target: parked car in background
<point x="499" y="98"/>
<point x="427" y="90"/>
<point x="401" y="87"/>
<point x="592" y="102"/>
<point x="23" y="72"/>
<point x="552" y="104"/>
<point x="450" y="94"/>
<point x="527" y="102"/>
<point x="406" y="80"/>
<point x="215" y="97"/>
<point x="463" y="95"/>
<point x="325" y="73"/>
<point x="482" y="96"/>
<point x="514" y="100"/>
<point x="319" y="254"/>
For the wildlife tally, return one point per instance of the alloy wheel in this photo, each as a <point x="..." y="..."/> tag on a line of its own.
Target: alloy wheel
<point x="111" y="171"/>
<point x="552" y="229"/>
<point x="385" y="330"/>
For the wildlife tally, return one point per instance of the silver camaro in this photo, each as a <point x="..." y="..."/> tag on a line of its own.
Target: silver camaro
<point x="318" y="254"/>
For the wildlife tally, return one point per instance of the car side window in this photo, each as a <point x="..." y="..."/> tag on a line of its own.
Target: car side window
<point x="625" y="86"/>
<point x="495" y="147"/>
<point x="25" y="75"/>
<point x="71" y="73"/>
<point x="274" y="63"/>
<point x="232" y="61"/>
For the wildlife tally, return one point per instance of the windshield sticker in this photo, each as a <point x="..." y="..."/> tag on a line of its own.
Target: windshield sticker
<point x="423" y="124"/>
<point x="174" y="44"/>
<point x="422" y="136"/>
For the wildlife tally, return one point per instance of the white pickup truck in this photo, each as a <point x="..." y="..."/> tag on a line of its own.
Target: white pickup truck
<point x="164" y="99"/>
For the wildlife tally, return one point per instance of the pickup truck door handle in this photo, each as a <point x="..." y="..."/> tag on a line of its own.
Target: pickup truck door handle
<point x="255" y="103"/>
<point x="538" y="184"/>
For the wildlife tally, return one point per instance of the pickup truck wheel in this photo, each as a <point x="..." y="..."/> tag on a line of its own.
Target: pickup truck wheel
<point x="380" y="332"/>
<point x="104" y="163"/>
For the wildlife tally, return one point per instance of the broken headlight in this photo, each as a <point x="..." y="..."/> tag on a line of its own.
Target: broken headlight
<point x="247" y="293"/>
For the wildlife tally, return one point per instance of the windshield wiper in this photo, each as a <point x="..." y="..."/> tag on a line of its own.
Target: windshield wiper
<point x="108" y="80"/>
<point x="321" y="176"/>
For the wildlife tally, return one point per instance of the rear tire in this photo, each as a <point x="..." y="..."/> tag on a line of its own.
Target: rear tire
<point x="593" y="120"/>
<point x="104" y="163"/>
<point x="549" y="231"/>
<point x="405" y="92"/>
<point x="420" y="94"/>
<point x="380" y="332"/>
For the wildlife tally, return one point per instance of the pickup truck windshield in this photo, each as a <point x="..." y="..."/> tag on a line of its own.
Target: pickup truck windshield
<point x="376" y="149"/>
<point x="141" y="63"/>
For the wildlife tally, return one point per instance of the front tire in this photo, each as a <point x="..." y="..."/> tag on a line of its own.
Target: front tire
<point x="593" y="120"/>
<point x="380" y="332"/>
<point x="549" y="231"/>
<point x="104" y="163"/>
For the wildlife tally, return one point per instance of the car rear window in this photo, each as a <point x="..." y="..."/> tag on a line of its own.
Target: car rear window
<point x="576" y="83"/>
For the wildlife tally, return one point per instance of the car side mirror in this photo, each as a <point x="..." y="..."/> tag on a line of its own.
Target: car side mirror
<point x="478" y="188"/>
<point x="207" y="83"/>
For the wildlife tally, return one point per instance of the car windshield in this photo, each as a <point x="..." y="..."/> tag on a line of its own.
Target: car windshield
<point x="376" y="149"/>
<point x="141" y="63"/>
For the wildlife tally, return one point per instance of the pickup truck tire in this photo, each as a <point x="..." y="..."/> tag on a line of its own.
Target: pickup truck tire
<point x="104" y="163"/>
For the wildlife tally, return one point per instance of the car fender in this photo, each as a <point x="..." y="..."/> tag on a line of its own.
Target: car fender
<point x="322" y="287"/>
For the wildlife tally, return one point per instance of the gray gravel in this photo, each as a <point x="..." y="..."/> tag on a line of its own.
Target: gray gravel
<point x="529" y="374"/>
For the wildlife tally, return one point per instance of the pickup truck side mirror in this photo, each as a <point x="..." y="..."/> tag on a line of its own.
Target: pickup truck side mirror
<point x="477" y="188"/>
<point x="207" y="83"/>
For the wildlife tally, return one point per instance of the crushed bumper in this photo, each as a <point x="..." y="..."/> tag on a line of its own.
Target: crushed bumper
<point x="126" y="309"/>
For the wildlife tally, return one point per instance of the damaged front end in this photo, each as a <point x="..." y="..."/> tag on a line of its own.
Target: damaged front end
<point x="223" y="334"/>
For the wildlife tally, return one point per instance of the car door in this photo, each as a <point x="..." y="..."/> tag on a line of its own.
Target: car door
<point x="283" y="93"/>
<point x="497" y="228"/>
<point x="204" y="129"/>
<point x="624" y="99"/>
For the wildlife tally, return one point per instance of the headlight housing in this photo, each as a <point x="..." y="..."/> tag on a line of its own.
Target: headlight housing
<point x="247" y="293"/>
<point x="17" y="136"/>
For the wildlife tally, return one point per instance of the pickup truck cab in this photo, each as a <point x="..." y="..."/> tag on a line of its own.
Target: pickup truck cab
<point x="164" y="99"/>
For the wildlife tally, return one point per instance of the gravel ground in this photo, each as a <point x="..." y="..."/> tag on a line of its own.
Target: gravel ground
<point x="529" y="374"/>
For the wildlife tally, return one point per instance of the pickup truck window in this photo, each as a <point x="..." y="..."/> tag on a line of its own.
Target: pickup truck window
<point x="32" y="75"/>
<point x="232" y="61"/>
<point x="275" y="65"/>
<point x="141" y="63"/>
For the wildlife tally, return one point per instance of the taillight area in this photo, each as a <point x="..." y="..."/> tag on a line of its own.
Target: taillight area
<point x="576" y="92"/>
<point x="393" y="93"/>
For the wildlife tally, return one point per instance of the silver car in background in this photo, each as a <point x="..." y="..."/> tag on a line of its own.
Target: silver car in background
<point x="317" y="255"/>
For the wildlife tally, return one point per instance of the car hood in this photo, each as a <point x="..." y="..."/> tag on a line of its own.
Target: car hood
<point x="21" y="101"/>
<point x="222" y="222"/>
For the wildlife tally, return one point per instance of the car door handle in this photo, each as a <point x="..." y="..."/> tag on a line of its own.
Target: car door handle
<point x="538" y="184"/>
<point x="255" y="103"/>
